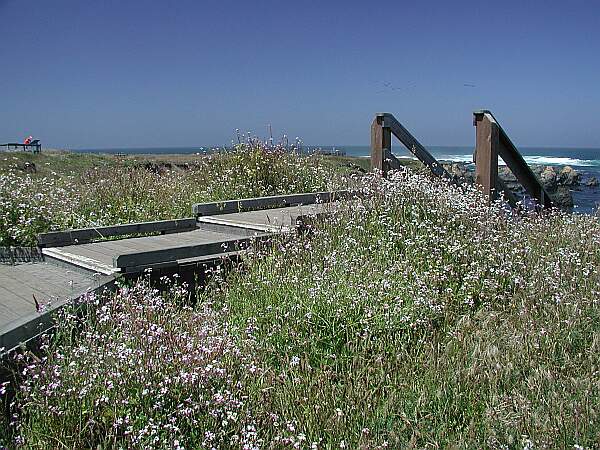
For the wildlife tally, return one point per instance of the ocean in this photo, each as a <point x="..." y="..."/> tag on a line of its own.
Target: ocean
<point x="585" y="160"/>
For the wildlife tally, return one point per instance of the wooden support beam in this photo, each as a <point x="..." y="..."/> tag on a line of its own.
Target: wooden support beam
<point x="486" y="154"/>
<point x="515" y="162"/>
<point x="490" y="133"/>
<point x="382" y="128"/>
<point x="381" y="144"/>
<point x="127" y="261"/>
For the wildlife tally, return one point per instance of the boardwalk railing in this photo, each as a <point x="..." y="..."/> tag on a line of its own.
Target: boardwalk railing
<point x="493" y="142"/>
<point x="382" y="158"/>
<point x="85" y="235"/>
<point x="276" y="201"/>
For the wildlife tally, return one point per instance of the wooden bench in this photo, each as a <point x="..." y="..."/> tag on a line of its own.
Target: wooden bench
<point x="33" y="146"/>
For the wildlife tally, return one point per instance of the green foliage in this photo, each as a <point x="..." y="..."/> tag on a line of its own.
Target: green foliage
<point x="422" y="317"/>
<point x="416" y="317"/>
<point x="87" y="190"/>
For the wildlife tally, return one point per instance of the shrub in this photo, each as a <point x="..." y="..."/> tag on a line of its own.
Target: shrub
<point x="418" y="316"/>
<point x="107" y="195"/>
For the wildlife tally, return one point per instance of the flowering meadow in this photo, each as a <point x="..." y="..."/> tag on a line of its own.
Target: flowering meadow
<point x="87" y="190"/>
<point x="414" y="317"/>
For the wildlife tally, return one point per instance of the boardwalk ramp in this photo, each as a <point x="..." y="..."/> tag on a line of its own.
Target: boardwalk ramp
<point x="74" y="262"/>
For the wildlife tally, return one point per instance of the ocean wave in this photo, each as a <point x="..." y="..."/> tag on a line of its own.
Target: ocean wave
<point x="561" y="161"/>
<point x="530" y="159"/>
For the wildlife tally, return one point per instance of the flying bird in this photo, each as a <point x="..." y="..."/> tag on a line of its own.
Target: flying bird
<point x="389" y="87"/>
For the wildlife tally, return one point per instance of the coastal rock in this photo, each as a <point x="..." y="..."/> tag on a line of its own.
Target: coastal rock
<point x="506" y="175"/>
<point x="592" y="182"/>
<point x="549" y="178"/>
<point x="562" y="197"/>
<point x="569" y="177"/>
<point x="557" y="182"/>
<point x="460" y="172"/>
<point x="159" y="168"/>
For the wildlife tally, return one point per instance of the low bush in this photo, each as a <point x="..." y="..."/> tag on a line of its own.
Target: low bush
<point x="108" y="194"/>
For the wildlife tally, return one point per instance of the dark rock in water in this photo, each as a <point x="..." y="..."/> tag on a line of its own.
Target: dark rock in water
<point x="460" y="172"/>
<point x="569" y="177"/>
<point x="558" y="183"/>
<point x="592" y="182"/>
<point x="549" y="178"/>
<point x="562" y="197"/>
<point x="458" y="169"/>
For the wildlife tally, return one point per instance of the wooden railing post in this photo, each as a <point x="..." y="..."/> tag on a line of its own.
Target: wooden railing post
<point x="381" y="144"/>
<point x="486" y="154"/>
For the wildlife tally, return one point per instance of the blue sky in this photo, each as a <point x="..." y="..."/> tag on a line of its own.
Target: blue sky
<point x="97" y="74"/>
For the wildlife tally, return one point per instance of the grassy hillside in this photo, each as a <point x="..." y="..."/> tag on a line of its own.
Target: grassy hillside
<point x="69" y="190"/>
<point x="418" y="317"/>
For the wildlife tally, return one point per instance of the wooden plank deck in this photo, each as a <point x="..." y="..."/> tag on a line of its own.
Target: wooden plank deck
<point x="279" y="220"/>
<point x="23" y="284"/>
<point x="71" y="269"/>
<point x="214" y="235"/>
<point x="100" y="256"/>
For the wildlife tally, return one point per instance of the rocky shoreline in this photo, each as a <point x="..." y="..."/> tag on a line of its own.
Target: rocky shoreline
<point x="559" y="181"/>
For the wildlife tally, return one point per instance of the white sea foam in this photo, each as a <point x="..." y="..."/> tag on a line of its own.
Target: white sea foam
<point x="533" y="159"/>
<point x="561" y="161"/>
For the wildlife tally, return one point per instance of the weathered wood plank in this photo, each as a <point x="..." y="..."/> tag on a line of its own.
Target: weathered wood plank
<point x="38" y="284"/>
<point x="19" y="283"/>
<point x="30" y="324"/>
<point x="100" y="258"/>
<point x="515" y="161"/>
<point x="20" y="254"/>
<point x="177" y="253"/>
<point x="278" y="201"/>
<point x="486" y="155"/>
<point x="82" y="262"/>
<point x="413" y="145"/>
<point x="381" y="144"/>
<point x="84" y="235"/>
<point x="268" y="221"/>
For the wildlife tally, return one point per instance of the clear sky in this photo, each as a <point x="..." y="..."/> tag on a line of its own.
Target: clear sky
<point x="105" y="73"/>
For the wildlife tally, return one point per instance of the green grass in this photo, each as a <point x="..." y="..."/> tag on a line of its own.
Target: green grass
<point x="71" y="190"/>
<point x="418" y="317"/>
<point x="427" y="319"/>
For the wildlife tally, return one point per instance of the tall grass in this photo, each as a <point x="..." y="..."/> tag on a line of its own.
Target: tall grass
<point x="106" y="194"/>
<point x="416" y="317"/>
<point x="420" y="317"/>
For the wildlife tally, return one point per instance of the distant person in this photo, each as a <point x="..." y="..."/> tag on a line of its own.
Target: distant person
<point x="28" y="140"/>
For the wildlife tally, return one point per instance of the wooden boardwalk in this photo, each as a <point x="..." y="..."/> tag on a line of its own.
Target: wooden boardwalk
<point x="24" y="284"/>
<point x="80" y="264"/>
<point x="214" y="235"/>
